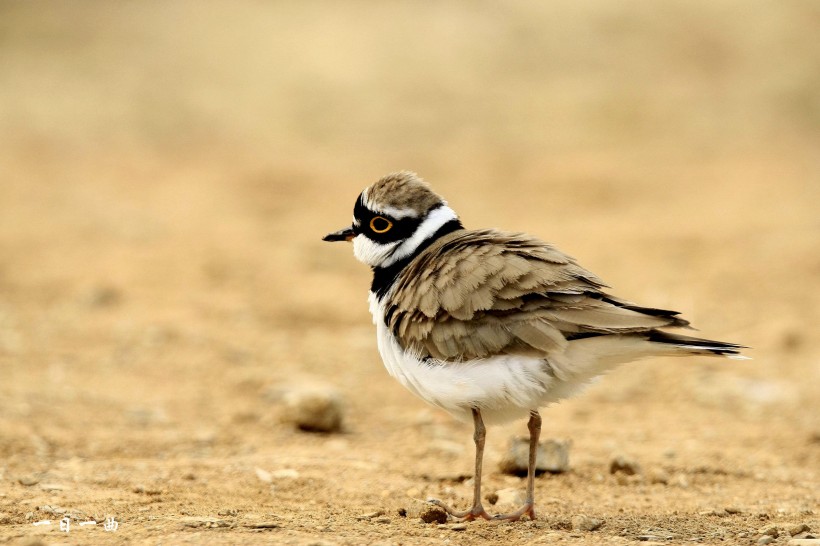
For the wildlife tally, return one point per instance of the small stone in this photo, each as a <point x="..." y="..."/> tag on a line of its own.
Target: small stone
<point x="211" y="523"/>
<point x="314" y="408"/>
<point x="263" y="475"/>
<point x="770" y="531"/>
<point x="766" y="539"/>
<point x="382" y="519"/>
<point x="680" y="480"/>
<point x="103" y="296"/>
<point x="446" y="447"/>
<point x="285" y="473"/>
<point x="261" y="525"/>
<point x="510" y="496"/>
<point x="458" y="527"/>
<point x="433" y="514"/>
<point x="624" y="465"/>
<point x="734" y="510"/>
<point x="551" y="456"/>
<point x="658" y="475"/>
<point x="797" y="529"/>
<point x="370" y="515"/>
<point x="804" y="542"/>
<point x="585" y="523"/>
<point x="28" y="480"/>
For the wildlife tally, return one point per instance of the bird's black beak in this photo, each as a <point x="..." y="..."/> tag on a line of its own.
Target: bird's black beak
<point x="345" y="234"/>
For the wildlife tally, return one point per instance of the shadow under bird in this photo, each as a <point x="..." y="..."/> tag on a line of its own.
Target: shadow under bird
<point x="490" y="325"/>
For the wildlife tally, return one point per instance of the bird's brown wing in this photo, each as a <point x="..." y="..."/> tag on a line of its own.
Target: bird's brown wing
<point x="476" y="294"/>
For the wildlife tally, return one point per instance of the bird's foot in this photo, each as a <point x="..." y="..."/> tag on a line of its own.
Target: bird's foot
<point x="477" y="511"/>
<point x="526" y="510"/>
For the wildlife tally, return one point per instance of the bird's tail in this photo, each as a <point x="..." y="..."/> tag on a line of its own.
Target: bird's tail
<point x="694" y="345"/>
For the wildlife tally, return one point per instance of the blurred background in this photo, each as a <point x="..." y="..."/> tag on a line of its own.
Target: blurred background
<point x="167" y="170"/>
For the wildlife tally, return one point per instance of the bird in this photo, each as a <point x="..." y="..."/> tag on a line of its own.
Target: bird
<point x="489" y="325"/>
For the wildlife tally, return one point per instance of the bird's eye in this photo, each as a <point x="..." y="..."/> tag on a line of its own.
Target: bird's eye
<point x="379" y="224"/>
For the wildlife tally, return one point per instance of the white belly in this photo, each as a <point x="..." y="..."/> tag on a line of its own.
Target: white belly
<point x="502" y="387"/>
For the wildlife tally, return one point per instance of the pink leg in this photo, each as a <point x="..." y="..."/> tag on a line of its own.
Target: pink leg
<point x="477" y="510"/>
<point x="534" y="426"/>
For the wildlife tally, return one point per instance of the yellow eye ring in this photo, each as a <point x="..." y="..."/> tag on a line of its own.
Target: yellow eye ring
<point x="380" y="224"/>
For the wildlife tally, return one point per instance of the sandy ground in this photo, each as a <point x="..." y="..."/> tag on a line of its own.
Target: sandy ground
<point x="167" y="172"/>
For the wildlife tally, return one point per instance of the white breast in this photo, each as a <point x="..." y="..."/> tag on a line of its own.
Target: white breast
<point x="503" y="387"/>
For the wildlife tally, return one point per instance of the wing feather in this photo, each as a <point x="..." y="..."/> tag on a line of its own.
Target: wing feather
<point x="476" y="294"/>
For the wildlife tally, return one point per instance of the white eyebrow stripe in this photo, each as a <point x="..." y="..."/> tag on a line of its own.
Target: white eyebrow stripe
<point x="398" y="214"/>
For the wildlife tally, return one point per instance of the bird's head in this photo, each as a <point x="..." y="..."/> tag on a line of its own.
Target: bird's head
<point x="392" y="218"/>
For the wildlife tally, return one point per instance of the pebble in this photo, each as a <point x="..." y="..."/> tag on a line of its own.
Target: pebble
<point x="433" y="514"/>
<point x="797" y="529"/>
<point x="658" y="475"/>
<point x="314" y="408"/>
<point x="510" y="496"/>
<point x="625" y="465"/>
<point x="770" y="531"/>
<point x="766" y="539"/>
<point x="370" y="515"/>
<point x="212" y="523"/>
<point x="261" y="525"/>
<point x="585" y="523"/>
<point x="28" y="480"/>
<point x="285" y="473"/>
<point x="263" y="475"/>
<point x="552" y="456"/>
<point x="52" y="487"/>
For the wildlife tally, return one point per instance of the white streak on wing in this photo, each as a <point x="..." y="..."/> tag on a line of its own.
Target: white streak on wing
<point x="437" y="218"/>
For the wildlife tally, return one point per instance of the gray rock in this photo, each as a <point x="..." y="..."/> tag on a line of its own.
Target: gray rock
<point x="765" y="539"/>
<point x="314" y="408"/>
<point x="552" y="456"/>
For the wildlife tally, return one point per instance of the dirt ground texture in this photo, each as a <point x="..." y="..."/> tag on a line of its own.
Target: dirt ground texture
<point x="167" y="171"/>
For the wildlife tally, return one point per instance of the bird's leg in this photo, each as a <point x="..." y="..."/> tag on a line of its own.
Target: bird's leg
<point x="477" y="510"/>
<point x="534" y="426"/>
